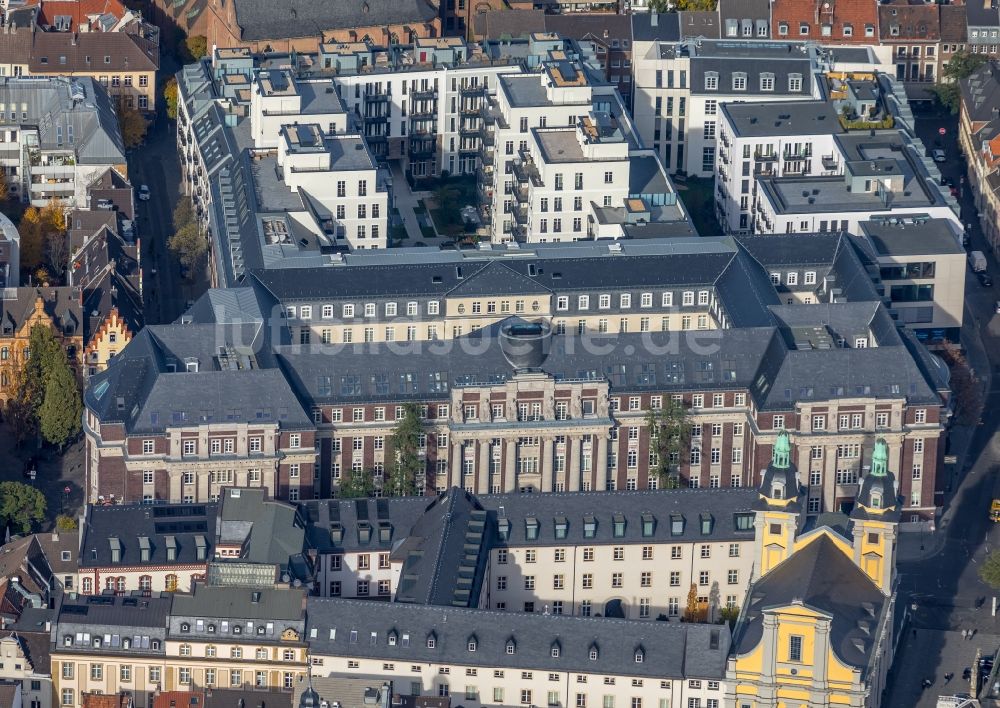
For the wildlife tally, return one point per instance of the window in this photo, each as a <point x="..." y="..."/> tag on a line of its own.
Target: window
<point x="794" y="83"/>
<point x="795" y="648"/>
<point x="739" y="81"/>
<point x="711" y="80"/>
<point x="767" y="82"/>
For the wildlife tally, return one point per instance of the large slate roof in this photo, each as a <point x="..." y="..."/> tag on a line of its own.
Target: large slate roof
<point x="97" y="139"/>
<point x="824" y="578"/>
<point x="124" y="526"/>
<point x="278" y="19"/>
<point x="688" y="506"/>
<point x="670" y="649"/>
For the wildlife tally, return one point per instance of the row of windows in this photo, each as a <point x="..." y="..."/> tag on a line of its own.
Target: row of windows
<point x="618" y="553"/>
<point x="617" y="580"/>
<point x="766" y="81"/>
<point x="645" y="300"/>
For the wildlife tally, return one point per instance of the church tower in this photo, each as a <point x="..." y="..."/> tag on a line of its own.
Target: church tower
<point x="876" y="520"/>
<point x="777" y="509"/>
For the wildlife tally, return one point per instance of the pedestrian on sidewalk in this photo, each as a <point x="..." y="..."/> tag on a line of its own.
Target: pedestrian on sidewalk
<point x="949" y="676"/>
<point x="965" y="634"/>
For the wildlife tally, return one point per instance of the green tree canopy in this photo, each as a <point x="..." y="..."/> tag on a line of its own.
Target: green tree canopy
<point x="170" y="97"/>
<point x="408" y="473"/>
<point x="989" y="571"/>
<point x="21" y="506"/>
<point x="357" y="484"/>
<point x="197" y="46"/>
<point x="188" y="245"/>
<point x="960" y="66"/>
<point x="65" y="522"/>
<point x="132" y="125"/>
<point x="183" y="213"/>
<point x="61" y="411"/>
<point x="670" y="437"/>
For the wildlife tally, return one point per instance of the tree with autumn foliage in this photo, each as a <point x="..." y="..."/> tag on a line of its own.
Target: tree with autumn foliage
<point x="170" y="97"/>
<point x="37" y="228"/>
<point x="132" y="125"/>
<point x="965" y="385"/>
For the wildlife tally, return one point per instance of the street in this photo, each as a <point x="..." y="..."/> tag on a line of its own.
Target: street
<point x="155" y="164"/>
<point x="944" y="591"/>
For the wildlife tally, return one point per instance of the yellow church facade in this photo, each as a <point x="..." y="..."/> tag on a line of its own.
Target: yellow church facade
<point x="816" y="629"/>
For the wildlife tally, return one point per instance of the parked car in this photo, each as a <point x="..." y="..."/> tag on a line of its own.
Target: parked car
<point x="144" y="193"/>
<point x="938" y="155"/>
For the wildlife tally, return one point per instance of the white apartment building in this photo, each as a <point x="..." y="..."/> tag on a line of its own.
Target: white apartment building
<point x="780" y="139"/>
<point x="566" y="164"/>
<point x="500" y="658"/>
<point x="336" y="179"/>
<point x="57" y="136"/>
<point x="424" y="109"/>
<point x="277" y="100"/>
<point x="871" y="175"/>
<point x="679" y="86"/>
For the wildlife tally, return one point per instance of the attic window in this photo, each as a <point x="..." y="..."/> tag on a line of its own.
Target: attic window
<point x="589" y="527"/>
<point x="531" y="529"/>
<point x="107" y="58"/>
<point x="676" y="524"/>
<point x="593" y="653"/>
<point x="555" y="651"/>
<point x="618" y="524"/>
<point x="648" y="525"/>
<point x="472" y="645"/>
<point x="562" y="527"/>
<point x="639" y="656"/>
<point x="185" y="627"/>
<point x="511" y="646"/>
<point x="431" y="641"/>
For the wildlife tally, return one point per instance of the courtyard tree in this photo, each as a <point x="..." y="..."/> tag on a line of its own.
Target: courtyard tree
<point x="670" y="438"/>
<point x="409" y="466"/>
<point x="21" y="506"/>
<point x="358" y="484"/>
<point x="62" y="410"/>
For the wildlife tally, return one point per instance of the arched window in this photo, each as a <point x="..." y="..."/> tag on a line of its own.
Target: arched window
<point x="120" y="585"/>
<point x="146" y="583"/>
<point x="171" y="583"/>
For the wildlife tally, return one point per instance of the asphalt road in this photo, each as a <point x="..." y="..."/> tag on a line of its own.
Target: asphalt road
<point x="945" y="592"/>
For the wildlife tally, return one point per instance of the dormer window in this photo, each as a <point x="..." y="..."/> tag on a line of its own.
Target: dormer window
<point x="185" y="627"/>
<point x="511" y="646"/>
<point x="640" y="654"/>
<point x="618" y="523"/>
<point x="471" y="644"/>
<point x="531" y="529"/>
<point x="555" y="650"/>
<point x="431" y="641"/>
<point x="876" y="500"/>
<point x="778" y="491"/>
<point x="68" y="640"/>
<point x="594" y="653"/>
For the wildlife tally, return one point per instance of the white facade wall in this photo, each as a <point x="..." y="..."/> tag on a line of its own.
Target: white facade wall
<point x="268" y="113"/>
<point x="92" y="581"/>
<point x="654" y="578"/>
<point x="399" y="85"/>
<point x="735" y="191"/>
<point x="792" y="223"/>
<point x="341" y="575"/>
<point x="477" y="685"/>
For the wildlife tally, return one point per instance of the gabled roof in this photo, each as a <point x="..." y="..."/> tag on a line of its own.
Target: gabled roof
<point x="819" y="576"/>
<point x="981" y="93"/>
<point x="278" y="19"/>
<point x="91" y="52"/>
<point x="496" y="279"/>
<point x="905" y="23"/>
<point x="670" y="649"/>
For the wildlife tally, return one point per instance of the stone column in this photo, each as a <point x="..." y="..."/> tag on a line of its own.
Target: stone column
<point x="510" y="466"/>
<point x="455" y="465"/>
<point x="483" y="472"/>
<point x="574" y="463"/>
<point x="175" y="486"/>
<point x="546" y="450"/>
<point x="600" y="461"/>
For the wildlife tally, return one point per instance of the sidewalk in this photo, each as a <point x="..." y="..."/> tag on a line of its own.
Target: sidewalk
<point x="916" y="546"/>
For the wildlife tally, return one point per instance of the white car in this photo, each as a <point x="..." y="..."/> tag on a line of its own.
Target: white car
<point x="143" y="193"/>
<point x="938" y="155"/>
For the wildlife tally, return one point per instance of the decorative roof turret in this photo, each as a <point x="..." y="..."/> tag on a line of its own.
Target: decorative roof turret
<point x="779" y="487"/>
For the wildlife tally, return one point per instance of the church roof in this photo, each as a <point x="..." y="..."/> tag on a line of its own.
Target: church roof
<point x="822" y="577"/>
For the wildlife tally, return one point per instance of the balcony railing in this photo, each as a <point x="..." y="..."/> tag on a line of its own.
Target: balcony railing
<point x="765" y="156"/>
